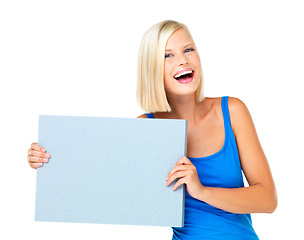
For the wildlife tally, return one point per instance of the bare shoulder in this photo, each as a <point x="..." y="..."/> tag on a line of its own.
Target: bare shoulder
<point x="236" y="104"/>
<point x="142" y="116"/>
<point x="239" y="115"/>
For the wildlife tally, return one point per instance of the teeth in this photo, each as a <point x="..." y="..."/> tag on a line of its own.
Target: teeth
<point x="182" y="73"/>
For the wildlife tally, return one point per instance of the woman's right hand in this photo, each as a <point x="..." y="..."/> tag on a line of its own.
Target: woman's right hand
<point x="37" y="156"/>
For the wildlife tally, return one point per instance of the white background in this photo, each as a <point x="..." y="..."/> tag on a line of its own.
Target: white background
<point x="79" y="58"/>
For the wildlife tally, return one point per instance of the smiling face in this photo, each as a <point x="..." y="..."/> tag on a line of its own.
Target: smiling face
<point x="182" y="68"/>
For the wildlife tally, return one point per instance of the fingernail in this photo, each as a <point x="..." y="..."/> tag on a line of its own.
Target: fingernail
<point x="40" y="164"/>
<point x="45" y="160"/>
<point x="47" y="155"/>
<point x="166" y="178"/>
<point x="43" y="150"/>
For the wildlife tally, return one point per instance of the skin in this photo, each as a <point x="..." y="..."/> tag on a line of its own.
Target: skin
<point x="206" y="135"/>
<point x="37" y="155"/>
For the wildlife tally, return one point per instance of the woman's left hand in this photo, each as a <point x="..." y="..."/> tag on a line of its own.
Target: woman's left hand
<point x="187" y="173"/>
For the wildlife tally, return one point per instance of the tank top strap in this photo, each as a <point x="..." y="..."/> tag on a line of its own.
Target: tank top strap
<point x="150" y="115"/>
<point x="226" y="114"/>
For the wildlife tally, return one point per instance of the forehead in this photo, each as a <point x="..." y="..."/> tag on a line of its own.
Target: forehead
<point x="178" y="38"/>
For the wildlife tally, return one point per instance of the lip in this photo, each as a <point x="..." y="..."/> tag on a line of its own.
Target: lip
<point x="186" y="81"/>
<point x="183" y="70"/>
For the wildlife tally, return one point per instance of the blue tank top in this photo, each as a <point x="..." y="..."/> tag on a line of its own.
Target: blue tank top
<point x="221" y="169"/>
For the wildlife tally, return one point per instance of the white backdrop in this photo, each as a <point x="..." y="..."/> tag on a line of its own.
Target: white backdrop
<point x="79" y="58"/>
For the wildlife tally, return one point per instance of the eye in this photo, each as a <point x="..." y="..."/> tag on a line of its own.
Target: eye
<point x="189" y="50"/>
<point x="168" y="55"/>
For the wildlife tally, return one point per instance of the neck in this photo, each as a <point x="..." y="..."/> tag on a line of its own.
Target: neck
<point x="184" y="107"/>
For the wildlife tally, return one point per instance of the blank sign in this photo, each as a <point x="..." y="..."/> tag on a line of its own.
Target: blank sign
<point x="110" y="170"/>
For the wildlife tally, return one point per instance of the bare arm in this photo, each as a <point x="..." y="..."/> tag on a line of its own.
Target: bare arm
<point x="261" y="195"/>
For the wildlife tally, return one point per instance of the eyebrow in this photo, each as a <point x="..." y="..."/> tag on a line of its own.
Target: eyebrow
<point x="184" y="46"/>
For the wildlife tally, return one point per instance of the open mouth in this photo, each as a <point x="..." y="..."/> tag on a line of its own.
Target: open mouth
<point x="184" y="75"/>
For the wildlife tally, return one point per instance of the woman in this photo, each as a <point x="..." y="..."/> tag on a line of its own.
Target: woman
<point x="222" y="140"/>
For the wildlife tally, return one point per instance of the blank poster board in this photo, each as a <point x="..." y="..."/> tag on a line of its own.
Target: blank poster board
<point x="110" y="170"/>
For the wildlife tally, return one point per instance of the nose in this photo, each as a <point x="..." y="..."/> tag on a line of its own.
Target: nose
<point x="182" y="60"/>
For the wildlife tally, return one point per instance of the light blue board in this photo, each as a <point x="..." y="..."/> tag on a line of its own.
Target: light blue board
<point x="110" y="170"/>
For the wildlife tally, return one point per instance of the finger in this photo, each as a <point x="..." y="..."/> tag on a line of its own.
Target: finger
<point x="176" y="175"/>
<point x="175" y="169"/>
<point x="35" y="153"/>
<point x="33" y="159"/>
<point x="184" y="160"/>
<point x="35" y="146"/>
<point x="35" y="165"/>
<point x="178" y="183"/>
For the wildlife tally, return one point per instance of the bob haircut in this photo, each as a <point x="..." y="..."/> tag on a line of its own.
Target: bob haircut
<point x="150" y="92"/>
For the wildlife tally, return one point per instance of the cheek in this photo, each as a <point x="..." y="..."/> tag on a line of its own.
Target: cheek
<point x="167" y="76"/>
<point x="196" y="60"/>
<point x="167" y="70"/>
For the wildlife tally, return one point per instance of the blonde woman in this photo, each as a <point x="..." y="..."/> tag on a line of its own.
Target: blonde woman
<point x="222" y="140"/>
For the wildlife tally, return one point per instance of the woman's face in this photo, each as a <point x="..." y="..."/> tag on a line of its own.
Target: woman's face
<point x="182" y="64"/>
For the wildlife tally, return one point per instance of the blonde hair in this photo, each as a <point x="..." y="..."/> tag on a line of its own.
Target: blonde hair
<point x="150" y="92"/>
